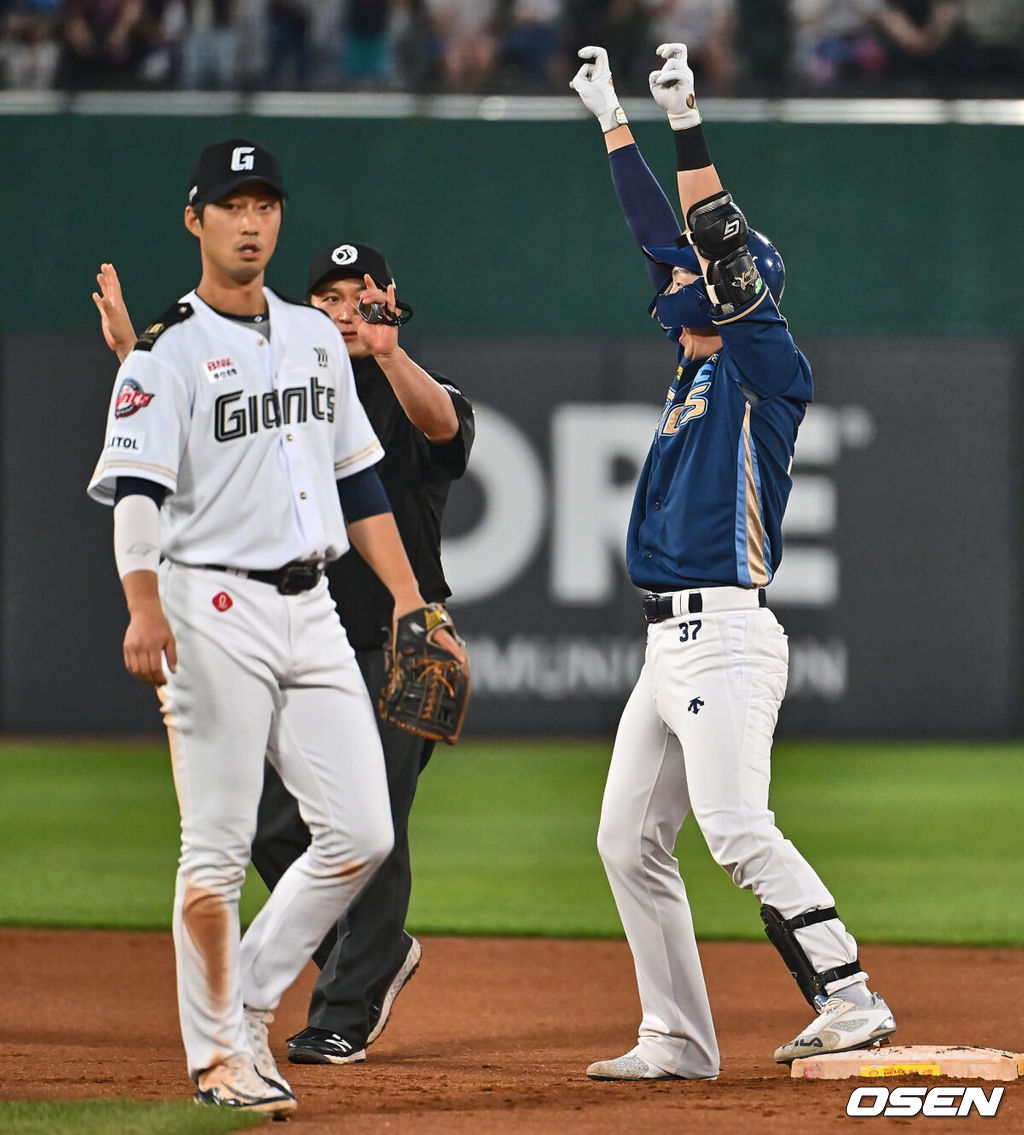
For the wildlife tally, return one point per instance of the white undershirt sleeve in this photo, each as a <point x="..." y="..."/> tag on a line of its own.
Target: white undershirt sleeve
<point x="136" y="534"/>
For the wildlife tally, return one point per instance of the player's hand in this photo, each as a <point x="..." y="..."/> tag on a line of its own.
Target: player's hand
<point x="672" y="87"/>
<point x="442" y="638"/>
<point x="593" y="83"/>
<point x="114" y="319"/>
<point x="147" y="642"/>
<point x="445" y="640"/>
<point x="381" y="338"/>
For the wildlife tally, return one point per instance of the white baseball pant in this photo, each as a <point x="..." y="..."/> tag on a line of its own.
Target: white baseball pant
<point x="268" y="675"/>
<point x="696" y="736"/>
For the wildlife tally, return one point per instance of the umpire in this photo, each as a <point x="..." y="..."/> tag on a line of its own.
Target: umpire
<point x="426" y="426"/>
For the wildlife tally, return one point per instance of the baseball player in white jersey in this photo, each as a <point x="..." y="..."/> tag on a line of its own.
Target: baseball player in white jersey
<point x="230" y="423"/>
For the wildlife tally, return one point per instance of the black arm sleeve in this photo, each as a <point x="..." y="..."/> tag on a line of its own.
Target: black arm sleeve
<point x="139" y="486"/>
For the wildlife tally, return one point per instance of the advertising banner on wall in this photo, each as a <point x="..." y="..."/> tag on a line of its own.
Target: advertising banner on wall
<point x="897" y="588"/>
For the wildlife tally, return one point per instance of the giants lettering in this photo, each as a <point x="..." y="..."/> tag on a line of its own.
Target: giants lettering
<point x="270" y="411"/>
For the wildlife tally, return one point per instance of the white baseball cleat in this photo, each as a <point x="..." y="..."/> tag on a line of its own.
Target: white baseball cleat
<point x="840" y="1026"/>
<point x="631" y="1066"/>
<point x="257" y="1022"/>
<point x="235" y="1083"/>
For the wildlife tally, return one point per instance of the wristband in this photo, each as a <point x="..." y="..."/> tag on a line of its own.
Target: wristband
<point x="691" y="149"/>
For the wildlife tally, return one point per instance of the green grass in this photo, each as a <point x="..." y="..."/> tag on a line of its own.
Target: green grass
<point x="918" y="842"/>
<point x="119" y="1117"/>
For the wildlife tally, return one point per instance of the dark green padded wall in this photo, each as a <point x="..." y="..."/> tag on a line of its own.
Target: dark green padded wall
<point x="512" y="226"/>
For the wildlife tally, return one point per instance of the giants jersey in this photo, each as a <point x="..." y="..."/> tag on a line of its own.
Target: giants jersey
<point x="248" y="433"/>
<point x="708" y="508"/>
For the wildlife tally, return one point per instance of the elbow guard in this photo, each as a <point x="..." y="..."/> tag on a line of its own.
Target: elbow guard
<point x="734" y="281"/>
<point x="719" y="232"/>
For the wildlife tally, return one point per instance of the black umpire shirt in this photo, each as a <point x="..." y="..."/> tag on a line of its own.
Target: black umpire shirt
<point x="416" y="476"/>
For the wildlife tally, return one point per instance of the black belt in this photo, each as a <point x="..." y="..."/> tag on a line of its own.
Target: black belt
<point x="301" y="575"/>
<point x="658" y="608"/>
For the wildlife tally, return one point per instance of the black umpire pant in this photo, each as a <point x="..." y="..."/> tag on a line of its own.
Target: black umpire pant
<point x="365" y="949"/>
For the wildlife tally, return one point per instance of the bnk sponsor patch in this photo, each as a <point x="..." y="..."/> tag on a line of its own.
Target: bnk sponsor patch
<point x="130" y="399"/>
<point x="216" y="370"/>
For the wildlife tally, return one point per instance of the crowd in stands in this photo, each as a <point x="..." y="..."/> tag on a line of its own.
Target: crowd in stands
<point x="940" y="48"/>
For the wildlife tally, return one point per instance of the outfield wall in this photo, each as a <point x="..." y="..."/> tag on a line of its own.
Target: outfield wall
<point x="512" y="227"/>
<point x="898" y="588"/>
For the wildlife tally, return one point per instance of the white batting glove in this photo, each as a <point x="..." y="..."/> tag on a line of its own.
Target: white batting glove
<point x="672" y="87"/>
<point x="593" y="83"/>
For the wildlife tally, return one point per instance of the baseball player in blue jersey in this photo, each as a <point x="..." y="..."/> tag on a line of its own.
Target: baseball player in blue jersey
<point x="705" y="541"/>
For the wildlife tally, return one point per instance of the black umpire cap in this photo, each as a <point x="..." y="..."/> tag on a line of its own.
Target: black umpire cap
<point x="226" y="166"/>
<point x="348" y="261"/>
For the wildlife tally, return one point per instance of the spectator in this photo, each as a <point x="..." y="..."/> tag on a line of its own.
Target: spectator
<point x="920" y="39"/>
<point x="707" y="28"/>
<point x="416" y="54"/>
<point x="764" y="44"/>
<point x="994" y="41"/>
<point x="581" y="17"/>
<point x="532" y="40"/>
<point x="105" y="41"/>
<point x="209" y="56"/>
<point x="625" y="30"/>
<point x="28" y="45"/>
<point x="464" y="33"/>
<point x="845" y="39"/>
<point x="290" y="55"/>
<point x="368" y="48"/>
<point x="836" y="39"/>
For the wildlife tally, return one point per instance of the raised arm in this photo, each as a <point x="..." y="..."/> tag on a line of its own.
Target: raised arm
<point x="649" y="215"/>
<point x="672" y="90"/>
<point x="426" y="403"/>
<point x="717" y="228"/>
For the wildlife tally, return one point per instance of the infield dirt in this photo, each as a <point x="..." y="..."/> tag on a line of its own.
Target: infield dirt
<point x="494" y="1035"/>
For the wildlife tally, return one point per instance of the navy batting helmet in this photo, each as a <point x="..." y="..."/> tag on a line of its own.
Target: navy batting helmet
<point x="690" y="306"/>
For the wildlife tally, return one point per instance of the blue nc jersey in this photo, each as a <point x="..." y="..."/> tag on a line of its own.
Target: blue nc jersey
<point x="708" y="508"/>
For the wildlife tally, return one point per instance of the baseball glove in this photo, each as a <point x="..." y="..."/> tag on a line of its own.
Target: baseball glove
<point x="427" y="690"/>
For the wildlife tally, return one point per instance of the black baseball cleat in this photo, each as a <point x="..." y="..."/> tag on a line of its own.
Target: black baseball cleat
<point x="321" y="1046"/>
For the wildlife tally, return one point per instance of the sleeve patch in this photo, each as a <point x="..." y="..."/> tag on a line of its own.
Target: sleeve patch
<point x="131" y="398"/>
<point x="127" y="443"/>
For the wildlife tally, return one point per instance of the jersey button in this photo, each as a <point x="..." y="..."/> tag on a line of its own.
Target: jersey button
<point x="291" y="437"/>
<point x="657" y="504"/>
<point x="303" y="496"/>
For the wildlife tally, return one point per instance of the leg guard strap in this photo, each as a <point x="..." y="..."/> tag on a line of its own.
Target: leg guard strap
<point x="781" y="934"/>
